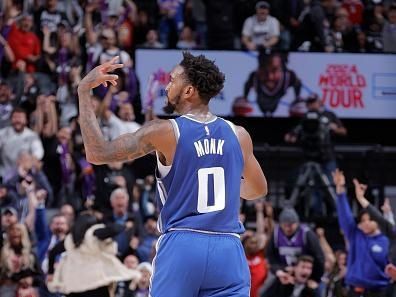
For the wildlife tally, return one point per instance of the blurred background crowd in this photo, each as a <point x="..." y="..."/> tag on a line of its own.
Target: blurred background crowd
<point x="46" y="46"/>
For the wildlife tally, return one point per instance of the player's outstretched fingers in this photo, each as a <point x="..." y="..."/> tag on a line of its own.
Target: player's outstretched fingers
<point x="113" y="67"/>
<point x="112" y="60"/>
<point x="110" y="77"/>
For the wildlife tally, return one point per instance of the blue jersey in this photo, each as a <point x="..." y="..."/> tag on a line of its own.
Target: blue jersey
<point x="201" y="191"/>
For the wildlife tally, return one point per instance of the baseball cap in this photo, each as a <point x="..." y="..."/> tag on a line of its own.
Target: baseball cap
<point x="263" y="4"/>
<point x="288" y="216"/>
<point x="9" y="210"/>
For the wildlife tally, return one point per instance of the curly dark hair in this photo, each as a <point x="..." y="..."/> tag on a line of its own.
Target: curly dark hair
<point x="203" y="74"/>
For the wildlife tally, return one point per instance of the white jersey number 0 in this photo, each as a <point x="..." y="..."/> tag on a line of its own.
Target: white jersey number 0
<point x="218" y="189"/>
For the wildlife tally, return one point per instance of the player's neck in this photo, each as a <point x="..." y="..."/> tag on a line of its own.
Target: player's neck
<point x="200" y="113"/>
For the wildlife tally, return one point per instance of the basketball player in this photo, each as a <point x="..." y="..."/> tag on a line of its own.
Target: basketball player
<point x="201" y="159"/>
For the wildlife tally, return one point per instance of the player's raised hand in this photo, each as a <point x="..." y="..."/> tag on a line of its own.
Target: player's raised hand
<point x="101" y="75"/>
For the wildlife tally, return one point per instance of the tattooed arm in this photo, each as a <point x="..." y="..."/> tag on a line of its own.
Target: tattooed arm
<point x="152" y="136"/>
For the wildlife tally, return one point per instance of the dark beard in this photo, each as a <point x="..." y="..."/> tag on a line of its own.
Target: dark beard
<point x="170" y="108"/>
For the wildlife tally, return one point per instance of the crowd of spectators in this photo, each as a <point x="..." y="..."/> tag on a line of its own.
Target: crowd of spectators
<point x="288" y="257"/>
<point x="46" y="46"/>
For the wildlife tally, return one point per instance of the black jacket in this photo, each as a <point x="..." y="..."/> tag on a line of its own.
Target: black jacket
<point x="279" y="290"/>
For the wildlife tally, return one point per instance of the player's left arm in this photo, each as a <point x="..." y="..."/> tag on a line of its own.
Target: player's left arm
<point x="254" y="183"/>
<point x="126" y="147"/>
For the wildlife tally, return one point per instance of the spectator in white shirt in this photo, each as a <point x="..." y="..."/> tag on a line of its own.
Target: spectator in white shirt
<point x="260" y="31"/>
<point x="122" y="123"/>
<point x="110" y="49"/>
<point x="121" y="119"/>
<point x="18" y="138"/>
<point x="126" y="113"/>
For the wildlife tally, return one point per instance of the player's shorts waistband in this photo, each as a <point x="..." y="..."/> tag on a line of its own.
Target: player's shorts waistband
<point x="204" y="231"/>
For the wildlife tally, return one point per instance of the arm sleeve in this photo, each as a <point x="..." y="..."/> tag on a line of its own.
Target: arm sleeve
<point x="41" y="225"/>
<point x="109" y="231"/>
<point x="389" y="217"/>
<point x="317" y="253"/>
<point x="345" y="217"/>
<point x="58" y="249"/>
<point x="385" y="226"/>
<point x="42" y="181"/>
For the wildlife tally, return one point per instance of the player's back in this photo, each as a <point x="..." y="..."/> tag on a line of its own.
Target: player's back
<point x="201" y="190"/>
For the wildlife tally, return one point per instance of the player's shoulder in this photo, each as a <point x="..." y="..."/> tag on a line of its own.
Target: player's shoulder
<point x="157" y="126"/>
<point x="159" y="133"/>
<point x="156" y="122"/>
<point x="242" y="133"/>
<point x="238" y="130"/>
<point x="244" y="139"/>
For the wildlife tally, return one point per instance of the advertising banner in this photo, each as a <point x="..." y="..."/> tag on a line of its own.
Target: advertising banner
<point x="276" y="85"/>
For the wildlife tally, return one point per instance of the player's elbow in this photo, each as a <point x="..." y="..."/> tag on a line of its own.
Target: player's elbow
<point x="254" y="196"/>
<point x="261" y="187"/>
<point x="259" y="191"/>
<point x="95" y="157"/>
<point x="262" y="191"/>
<point x="91" y="158"/>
